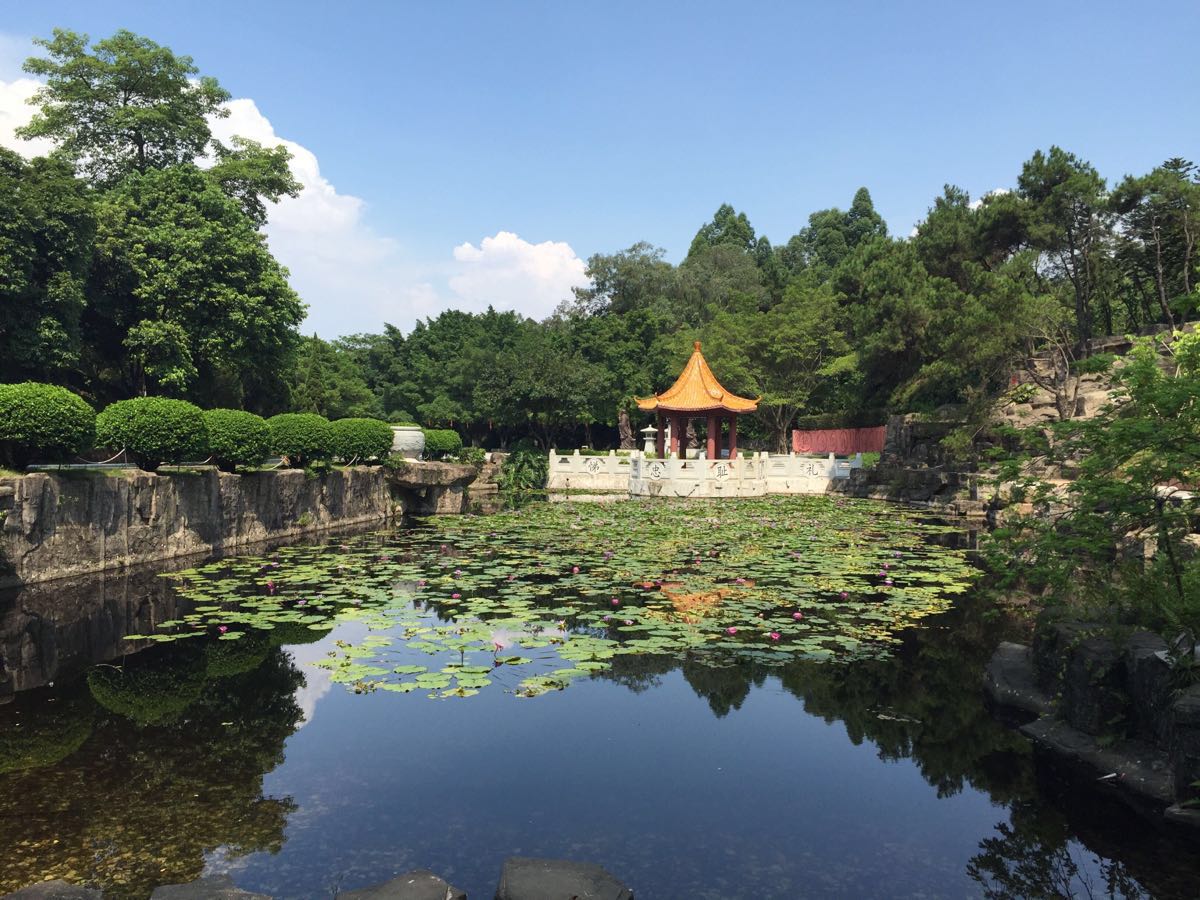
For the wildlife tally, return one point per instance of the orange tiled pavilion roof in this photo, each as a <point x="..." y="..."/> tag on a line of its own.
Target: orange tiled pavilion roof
<point x="697" y="390"/>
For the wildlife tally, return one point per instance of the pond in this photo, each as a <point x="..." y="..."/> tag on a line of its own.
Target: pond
<point x="768" y="698"/>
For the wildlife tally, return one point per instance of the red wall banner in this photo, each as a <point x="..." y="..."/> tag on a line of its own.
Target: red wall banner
<point x="842" y="441"/>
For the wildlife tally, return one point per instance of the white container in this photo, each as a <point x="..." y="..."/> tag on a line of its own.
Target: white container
<point x="408" y="441"/>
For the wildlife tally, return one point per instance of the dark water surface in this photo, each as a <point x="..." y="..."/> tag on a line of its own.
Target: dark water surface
<point x="882" y="778"/>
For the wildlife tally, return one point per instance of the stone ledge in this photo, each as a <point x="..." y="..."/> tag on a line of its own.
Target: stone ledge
<point x="1140" y="769"/>
<point x="1009" y="680"/>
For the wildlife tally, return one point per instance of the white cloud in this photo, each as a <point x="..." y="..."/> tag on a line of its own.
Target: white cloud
<point x="994" y="192"/>
<point x="353" y="277"/>
<point x="510" y="273"/>
<point x="15" y="111"/>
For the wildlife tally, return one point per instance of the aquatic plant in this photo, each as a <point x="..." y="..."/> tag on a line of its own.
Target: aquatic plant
<point x="716" y="582"/>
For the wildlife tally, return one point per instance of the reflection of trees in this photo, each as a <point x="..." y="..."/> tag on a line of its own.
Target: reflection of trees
<point x="1034" y="856"/>
<point x="724" y="687"/>
<point x="51" y="734"/>
<point x="924" y="703"/>
<point x="141" y="804"/>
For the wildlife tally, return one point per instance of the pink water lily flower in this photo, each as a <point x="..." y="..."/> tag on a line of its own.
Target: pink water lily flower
<point x="731" y="630"/>
<point x="222" y="628"/>
<point x="301" y="602"/>
<point x="574" y="570"/>
<point x="458" y="571"/>
<point x="455" y="596"/>
<point x="887" y="581"/>
<point x="844" y="595"/>
<point x="421" y="582"/>
<point x="608" y="554"/>
<point x="512" y="577"/>
<point x="270" y="587"/>
<point x="616" y="602"/>
<point x="797" y="616"/>
<point x="608" y="618"/>
<point x="739" y="581"/>
<point x="775" y="635"/>
<point x="629" y="621"/>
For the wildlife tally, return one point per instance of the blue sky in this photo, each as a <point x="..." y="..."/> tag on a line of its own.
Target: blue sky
<point x="556" y="130"/>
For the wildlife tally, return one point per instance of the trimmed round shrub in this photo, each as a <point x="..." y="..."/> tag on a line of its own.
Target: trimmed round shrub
<point x="301" y="437"/>
<point x="154" y="430"/>
<point x="360" y="439"/>
<point x="237" y="438"/>
<point x="43" y="422"/>
<point x="441" y="441"/>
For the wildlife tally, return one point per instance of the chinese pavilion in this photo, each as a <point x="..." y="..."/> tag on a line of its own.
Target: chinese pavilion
<point x="695" y="393"/>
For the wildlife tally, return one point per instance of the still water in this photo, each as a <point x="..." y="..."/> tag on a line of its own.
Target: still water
<point x="879" y="778"/>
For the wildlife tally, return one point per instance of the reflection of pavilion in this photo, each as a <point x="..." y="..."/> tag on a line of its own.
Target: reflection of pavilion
<point x="696" y="392"/>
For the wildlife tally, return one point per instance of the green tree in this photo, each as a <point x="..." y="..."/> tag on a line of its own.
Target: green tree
<point x="249" y="173"/>
<point x="45" y="251"/>
<point x="173" y="250"/>
<point x="781" y="355"/>
<point x="1070" y="223"/>
<point x="126" y="104"/>
<point x="1160" y="218"/>
<point x="728" y="228"/>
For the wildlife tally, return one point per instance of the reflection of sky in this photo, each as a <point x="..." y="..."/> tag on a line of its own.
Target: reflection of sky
<point x="768" y="801"/>
<point x="317" y="681"/>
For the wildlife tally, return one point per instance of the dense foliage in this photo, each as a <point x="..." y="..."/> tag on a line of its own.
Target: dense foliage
<point x="300" y="437"/>
<point x="153" y="431"/>
<point x="360" y="440"/>
<point x="43" y="422"/>
<point x="127" y="269"/>
<point x="1118" y="539"/>
<point x="236" y="438"/>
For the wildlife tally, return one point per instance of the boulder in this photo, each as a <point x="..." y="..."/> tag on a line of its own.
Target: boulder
<point x="1009" y="680"/>
<point x="1185" y="743"/>
<point x="54" y="890"/>
<point x="1093" y="692"/>
<point x="213" y="887"/>
<point x="419" y="884"/>
<point x="524" y="878"/>
<point x="1148" y="680"/>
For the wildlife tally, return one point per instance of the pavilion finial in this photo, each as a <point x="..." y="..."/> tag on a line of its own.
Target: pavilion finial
<point x="696" y="345"/>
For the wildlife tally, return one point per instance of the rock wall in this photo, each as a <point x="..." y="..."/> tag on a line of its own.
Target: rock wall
<point x="59" y="525"/>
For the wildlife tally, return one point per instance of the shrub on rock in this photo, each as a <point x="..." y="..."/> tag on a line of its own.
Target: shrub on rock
<point x="237" y="438"/>
<point x="441" y="442"/>
<point x="43" y="422"/>
<point x="154" y="430"/>
<point x="301" y="437"/>
<point x="360" y="439"/>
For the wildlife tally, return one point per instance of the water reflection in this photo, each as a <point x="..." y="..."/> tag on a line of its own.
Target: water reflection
<point x="147" y="772"/>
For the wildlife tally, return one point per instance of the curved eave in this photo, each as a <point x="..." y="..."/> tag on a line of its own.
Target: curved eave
<point x="653" y="404"/>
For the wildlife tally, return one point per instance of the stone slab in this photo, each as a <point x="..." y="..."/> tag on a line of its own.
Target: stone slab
<point x="213" y="887"/>
<point x="419" y="884"/>
<point x="54" y="890"/>
<point x="1009" y="680"/>
<point x="1140" y="768"/>
<point x="525" y="878"/>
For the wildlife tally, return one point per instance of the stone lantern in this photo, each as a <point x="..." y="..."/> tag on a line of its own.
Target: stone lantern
<point x="649" y="433"/>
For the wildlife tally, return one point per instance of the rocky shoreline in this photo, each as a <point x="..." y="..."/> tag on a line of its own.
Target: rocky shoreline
<point x="1110" y="703"/>
<point x="522" y="878"/>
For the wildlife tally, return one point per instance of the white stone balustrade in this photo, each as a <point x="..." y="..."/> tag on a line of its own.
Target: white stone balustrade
<point x="588" y="473"/>
<point x="753" y="475"/>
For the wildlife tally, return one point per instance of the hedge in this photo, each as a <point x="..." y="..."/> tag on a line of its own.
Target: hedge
<point x="154" y="430"/>
<point x="360" y="439"/>
<point x="43" y="422"/>
<point x="301" y="437"/>
<point x="441" y="441"/>
<point x="237" y="438"/>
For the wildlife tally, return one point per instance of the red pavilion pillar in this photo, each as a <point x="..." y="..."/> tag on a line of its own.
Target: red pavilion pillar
<point x="733" y="437"/>
<point x="681" y="426"/>
<point x="714" y="437"/>
<point x="675" y="435"/>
